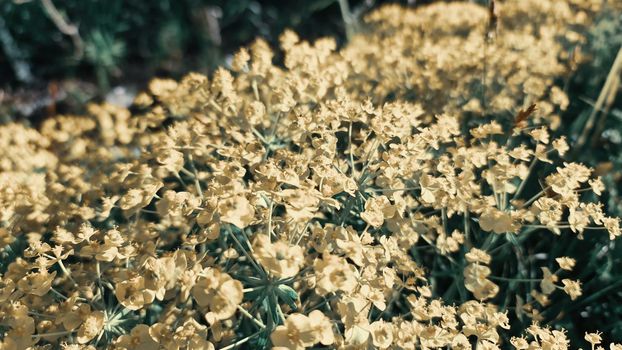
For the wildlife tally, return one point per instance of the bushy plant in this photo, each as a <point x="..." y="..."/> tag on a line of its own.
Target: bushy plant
<point x="346" y="200"/>
<point x="121" y="42"/>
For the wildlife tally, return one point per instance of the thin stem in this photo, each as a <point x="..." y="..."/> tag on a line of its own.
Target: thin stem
<point x="99" y="280"/>
<point x="64" y="269"/>
<point x="183" y="183"/>
<point x="395" y="189"/>
<point x="565" y="226"/>
<point x="251" y="317"/>
<point x="350" y="148"/>
<point x="498" y="278"/>
<point x="187" y="172"/>
<point x="241" y="341"/>
<point x="467" y="227"/>
<point x="59" y="294"/>
<point x="524" y="181"/>
<point x="303" y="232"/>
<point x="255" y="89"/>
<point x="197" y="183"/>
<point x="535" y="197"/>
<point x="270" y="220"/>
<point x="367" y="159"/>
<point x="260" y="136"/>
<point x="322" y="303"/>
<point x="52" y="334"/>
<point x="250" y="290"/>
<point x="280" y="311"/>
<point x="274" y="126"/>
<point x="431" y="244"/>
<point x="250" y="258"/>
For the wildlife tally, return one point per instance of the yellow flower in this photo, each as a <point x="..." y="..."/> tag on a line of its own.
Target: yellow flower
<point x="170" y="160"/>
<point x="578" y="219"/>
<point x="240" y="60"/>
<point x="429" y="188"/>
<point x="566" y="263"/>
<point x="236" y="210"/>
<point x="548" y="210"/>
<point x="92" y="326"/>
<point x="133" y="294"/>
<point x="548" y="281"/>
<point x="279" y="258"/>
<point x="497" y="221"/>
<point x="519" y="343"/>
<point x="192" y="335"/>
<point x="377" y="209"/>
<point x="334" y="273"/>
<point x="177" y="204"/>
<point x="138" y="339"/>
<point x="296" y="334"/>
<point x="475" y="280"/>
<point x="21" y="332"/>
<point x="477" y="256"/>
<point x="220" y="293"/>
<point x="561" y="146"/>
<point x="597" y="185"/>
<point x="572" y="288"/>
<point x="7" y="286"/>
<point x="484" y="130"/>
<point x="143" y="100"/>
<point x="138" y="198"/>
<point x="593" y="338"/>
<point x="381" y="334"/>
<point x="37" y="283"/>
<point x="357" y="337"/>
<point x="541" y="135"/>
<point x="322" y="327"/>
<point x="613" y="227"/>
<point x="300" y="331"/>
<point x="5" y="238"/>
<point x="162" y="87"/>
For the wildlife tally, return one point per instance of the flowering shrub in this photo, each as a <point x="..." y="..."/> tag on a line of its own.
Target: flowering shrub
<point x="318" y="205"/>
<point x="461" y="59"/>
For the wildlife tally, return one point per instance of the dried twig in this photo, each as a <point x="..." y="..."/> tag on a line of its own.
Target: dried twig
<point x="604" y="101"/>
<point x="64" y="27"/>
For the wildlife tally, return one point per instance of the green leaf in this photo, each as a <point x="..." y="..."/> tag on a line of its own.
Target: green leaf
<point x="288" y="295"/>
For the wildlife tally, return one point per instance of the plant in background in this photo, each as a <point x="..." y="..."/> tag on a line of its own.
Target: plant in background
<point x="104" y="52"/>
<point x="50" y="37"/>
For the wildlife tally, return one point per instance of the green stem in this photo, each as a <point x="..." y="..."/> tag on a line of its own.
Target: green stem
<point x="241" y="341"/>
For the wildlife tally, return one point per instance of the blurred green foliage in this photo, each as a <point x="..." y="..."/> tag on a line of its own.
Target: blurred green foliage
<point x="603" y="150"/>
<point x="125" y="40"/>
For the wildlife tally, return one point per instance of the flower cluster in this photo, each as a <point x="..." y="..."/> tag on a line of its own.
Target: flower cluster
<point x="330" y="203"/>
<point x="465" y="59"/>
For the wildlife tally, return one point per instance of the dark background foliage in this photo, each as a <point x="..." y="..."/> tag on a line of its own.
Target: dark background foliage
<point x="128" y="40"/>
